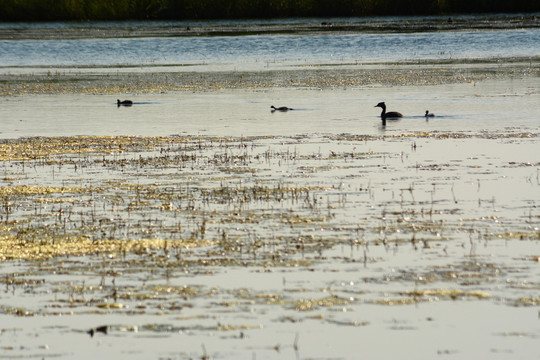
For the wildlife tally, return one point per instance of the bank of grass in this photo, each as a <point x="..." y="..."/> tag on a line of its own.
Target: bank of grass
<point x="54" y="10"/>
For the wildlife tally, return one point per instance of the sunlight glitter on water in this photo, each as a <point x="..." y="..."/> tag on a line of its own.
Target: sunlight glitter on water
<point x="223" y="230"/>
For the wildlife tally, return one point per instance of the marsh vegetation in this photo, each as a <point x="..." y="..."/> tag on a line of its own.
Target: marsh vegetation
<point x="35" y="10"/>
<point x="136" y="223"/>
<point x="199" y="224"/>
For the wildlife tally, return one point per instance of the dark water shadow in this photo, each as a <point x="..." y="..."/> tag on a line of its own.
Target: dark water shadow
<point x="427" y="118"/>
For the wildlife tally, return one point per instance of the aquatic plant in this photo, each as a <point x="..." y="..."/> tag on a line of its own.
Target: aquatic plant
<point x="174" y="231"/>
<point x="420" y="73"/>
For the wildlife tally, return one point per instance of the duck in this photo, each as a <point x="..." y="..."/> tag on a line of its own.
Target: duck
<point x="428" y="114"/>
<point x="282" y="108"/>
<point x="387" y="115"/>
<point x="124" y="103"/>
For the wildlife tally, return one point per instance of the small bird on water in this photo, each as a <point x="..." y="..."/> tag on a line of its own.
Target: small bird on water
<point x="282" y="108"/>
<point x="428" y="114"/>
<point x="124" y="103"/>
<point x="387" y="115"/>
<point x="100" y="329"/>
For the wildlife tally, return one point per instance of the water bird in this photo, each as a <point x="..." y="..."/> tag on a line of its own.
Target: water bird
<point x="387" y="115"/>
<point x="124" y="103"/>
<point x="428" y="114"/>
<point x="100" y="329"/>
<point x="282" y="108"/>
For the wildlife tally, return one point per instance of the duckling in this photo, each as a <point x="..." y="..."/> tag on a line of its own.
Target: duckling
<point x="124" y="103"/>
<point x="282" y="108"/>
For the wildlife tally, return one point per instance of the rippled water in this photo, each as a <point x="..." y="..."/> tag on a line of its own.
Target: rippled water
<point x="308" y="47"/>
<point x="418" y="237"/>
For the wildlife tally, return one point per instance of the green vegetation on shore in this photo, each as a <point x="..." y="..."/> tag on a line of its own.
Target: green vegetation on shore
<point x="55" y="10"/>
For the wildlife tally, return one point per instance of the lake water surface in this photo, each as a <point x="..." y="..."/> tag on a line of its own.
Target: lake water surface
<point x="199" y="224"/>
<point x="99" y="45"/>
<point x="256" y="49"/>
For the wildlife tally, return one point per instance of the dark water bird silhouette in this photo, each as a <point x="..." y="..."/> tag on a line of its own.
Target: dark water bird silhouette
<point x="124" y="103"/>
<point x="428" y="114"/>
<point x="99" y="329"/>
<point x="387" y="115"/>
<point x="282" y="108"/>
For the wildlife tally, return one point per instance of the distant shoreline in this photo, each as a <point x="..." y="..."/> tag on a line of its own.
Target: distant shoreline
<point x="100" y="10"/>
<point x="211" y="28"/>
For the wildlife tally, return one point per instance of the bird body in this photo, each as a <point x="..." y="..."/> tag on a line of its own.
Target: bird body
<point x="387" y="115"/>
<point x="428" y="114"/>
<point x="282" y="108"/>
<point x="124" y="103"/>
